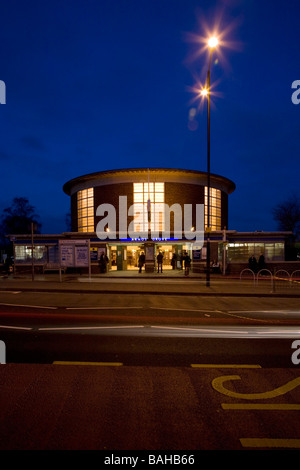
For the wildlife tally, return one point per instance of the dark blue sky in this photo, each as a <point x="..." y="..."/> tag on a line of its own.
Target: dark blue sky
<point x="93" y="85"/>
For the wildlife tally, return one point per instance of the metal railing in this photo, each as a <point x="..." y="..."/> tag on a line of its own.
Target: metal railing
<point x="281" y="279"/>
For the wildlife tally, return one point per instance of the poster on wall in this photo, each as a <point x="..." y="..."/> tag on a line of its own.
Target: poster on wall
<point x="149" y="253"/>
<point x="81" y="256"/>
<point x="67" y="255"/>
<point x="74" y="253"/>
<point x="94" y="254"/>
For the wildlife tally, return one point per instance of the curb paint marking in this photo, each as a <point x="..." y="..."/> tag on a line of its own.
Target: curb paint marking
<point x="255" y="442"/>
<point x="261" y="406"/>
<point x="217" y="384"/>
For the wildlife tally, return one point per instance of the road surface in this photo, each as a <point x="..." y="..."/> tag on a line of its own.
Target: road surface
<point x="130" y="371"/>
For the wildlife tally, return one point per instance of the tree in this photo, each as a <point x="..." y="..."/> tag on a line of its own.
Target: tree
<point x="287" y="215"/>
<point x="17" y="219"/>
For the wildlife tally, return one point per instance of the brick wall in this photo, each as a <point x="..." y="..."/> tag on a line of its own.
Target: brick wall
<point x="109" y="194"/>
<point x="174" y="194"/>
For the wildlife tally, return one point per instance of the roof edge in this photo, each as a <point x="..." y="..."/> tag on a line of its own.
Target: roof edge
<point x="92" y="176"/>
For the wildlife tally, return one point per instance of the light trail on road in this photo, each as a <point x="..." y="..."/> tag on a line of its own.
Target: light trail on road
<point x="173" y="331"/>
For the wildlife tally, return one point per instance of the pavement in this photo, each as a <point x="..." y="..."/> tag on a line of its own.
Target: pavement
<point x="168" y="282"/>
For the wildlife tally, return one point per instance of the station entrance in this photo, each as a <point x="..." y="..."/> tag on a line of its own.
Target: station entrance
<point x="126" y="257"/>
<point x="167" y="251"/>
<point x="133" y="255"/>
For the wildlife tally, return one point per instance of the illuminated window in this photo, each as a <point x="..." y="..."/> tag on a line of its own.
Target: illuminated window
<point x="240" y="252"/>
<point x="215" y="216"/>
<point x="85" y="210"/>
<point x="23" y="254"/>
<point x="156" y="193"/>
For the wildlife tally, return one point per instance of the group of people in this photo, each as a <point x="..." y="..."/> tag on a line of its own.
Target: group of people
<point x="184" y="259"/>
<point x="256" y="266"/>
<point x="159" y="259"/>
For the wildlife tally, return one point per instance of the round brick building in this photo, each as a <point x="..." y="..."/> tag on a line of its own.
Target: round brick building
<point x="148" y="191"/>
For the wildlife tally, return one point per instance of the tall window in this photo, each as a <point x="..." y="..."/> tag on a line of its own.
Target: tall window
<point x="85" y="210"/>
<point x="215" y="221"/>
<point x="156" y="194"/>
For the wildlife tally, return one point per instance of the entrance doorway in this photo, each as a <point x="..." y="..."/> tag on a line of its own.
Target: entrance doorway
<point x="133" y="254"/>
<point x="113" y="257"/>
<point x="167" y="251"/>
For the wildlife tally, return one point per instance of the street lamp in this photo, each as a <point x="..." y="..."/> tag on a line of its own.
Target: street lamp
<point x="212" y="44"/>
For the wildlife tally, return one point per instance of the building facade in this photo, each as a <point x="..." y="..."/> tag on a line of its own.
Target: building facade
<point x="168" y="207"/>
<point x="128" y="212"/>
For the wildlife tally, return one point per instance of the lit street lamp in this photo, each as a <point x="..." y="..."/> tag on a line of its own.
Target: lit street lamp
<point x="212" y="44"/>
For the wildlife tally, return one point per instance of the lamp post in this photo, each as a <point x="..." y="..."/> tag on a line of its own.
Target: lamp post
<point x="212" y="44"/>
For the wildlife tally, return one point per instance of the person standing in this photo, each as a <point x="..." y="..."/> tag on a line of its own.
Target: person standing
<point x="159" y="260"/>
<point x="253" y="263"/>
<point x="141" y="261"/>
<point x="187" y="264"/>
<point x="181" y="260"/>
<point x="174" y="261"/>
<point x="103" y="263"/>
<point x="261" y="262"/>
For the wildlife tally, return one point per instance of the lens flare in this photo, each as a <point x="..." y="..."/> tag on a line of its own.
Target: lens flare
<point x="213" y="42"/>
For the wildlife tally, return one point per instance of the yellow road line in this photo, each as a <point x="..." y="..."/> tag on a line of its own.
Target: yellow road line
<point x="77" y="363"/>
<point x="217" y="384"/>
<point x="226" y="366"/>
<point x="261" y="406"/>
<point x="245" y="317"/>
<point x="282" y="443"/>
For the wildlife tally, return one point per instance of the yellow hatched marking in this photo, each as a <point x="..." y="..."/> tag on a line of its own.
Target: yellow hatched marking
<point x="282" y="443"/>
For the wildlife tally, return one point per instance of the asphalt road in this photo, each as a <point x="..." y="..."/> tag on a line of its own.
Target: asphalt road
<point x="167" y="348"/>
<point x="130" y="371"/>
<point x="63" y="407"/>
<point x="144" y="329"/>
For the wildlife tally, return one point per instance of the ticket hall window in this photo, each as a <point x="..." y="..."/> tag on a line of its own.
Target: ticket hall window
<point x="214" y="209"/>
<point x="156" y="193"/>
<point x="85" y="210"/>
